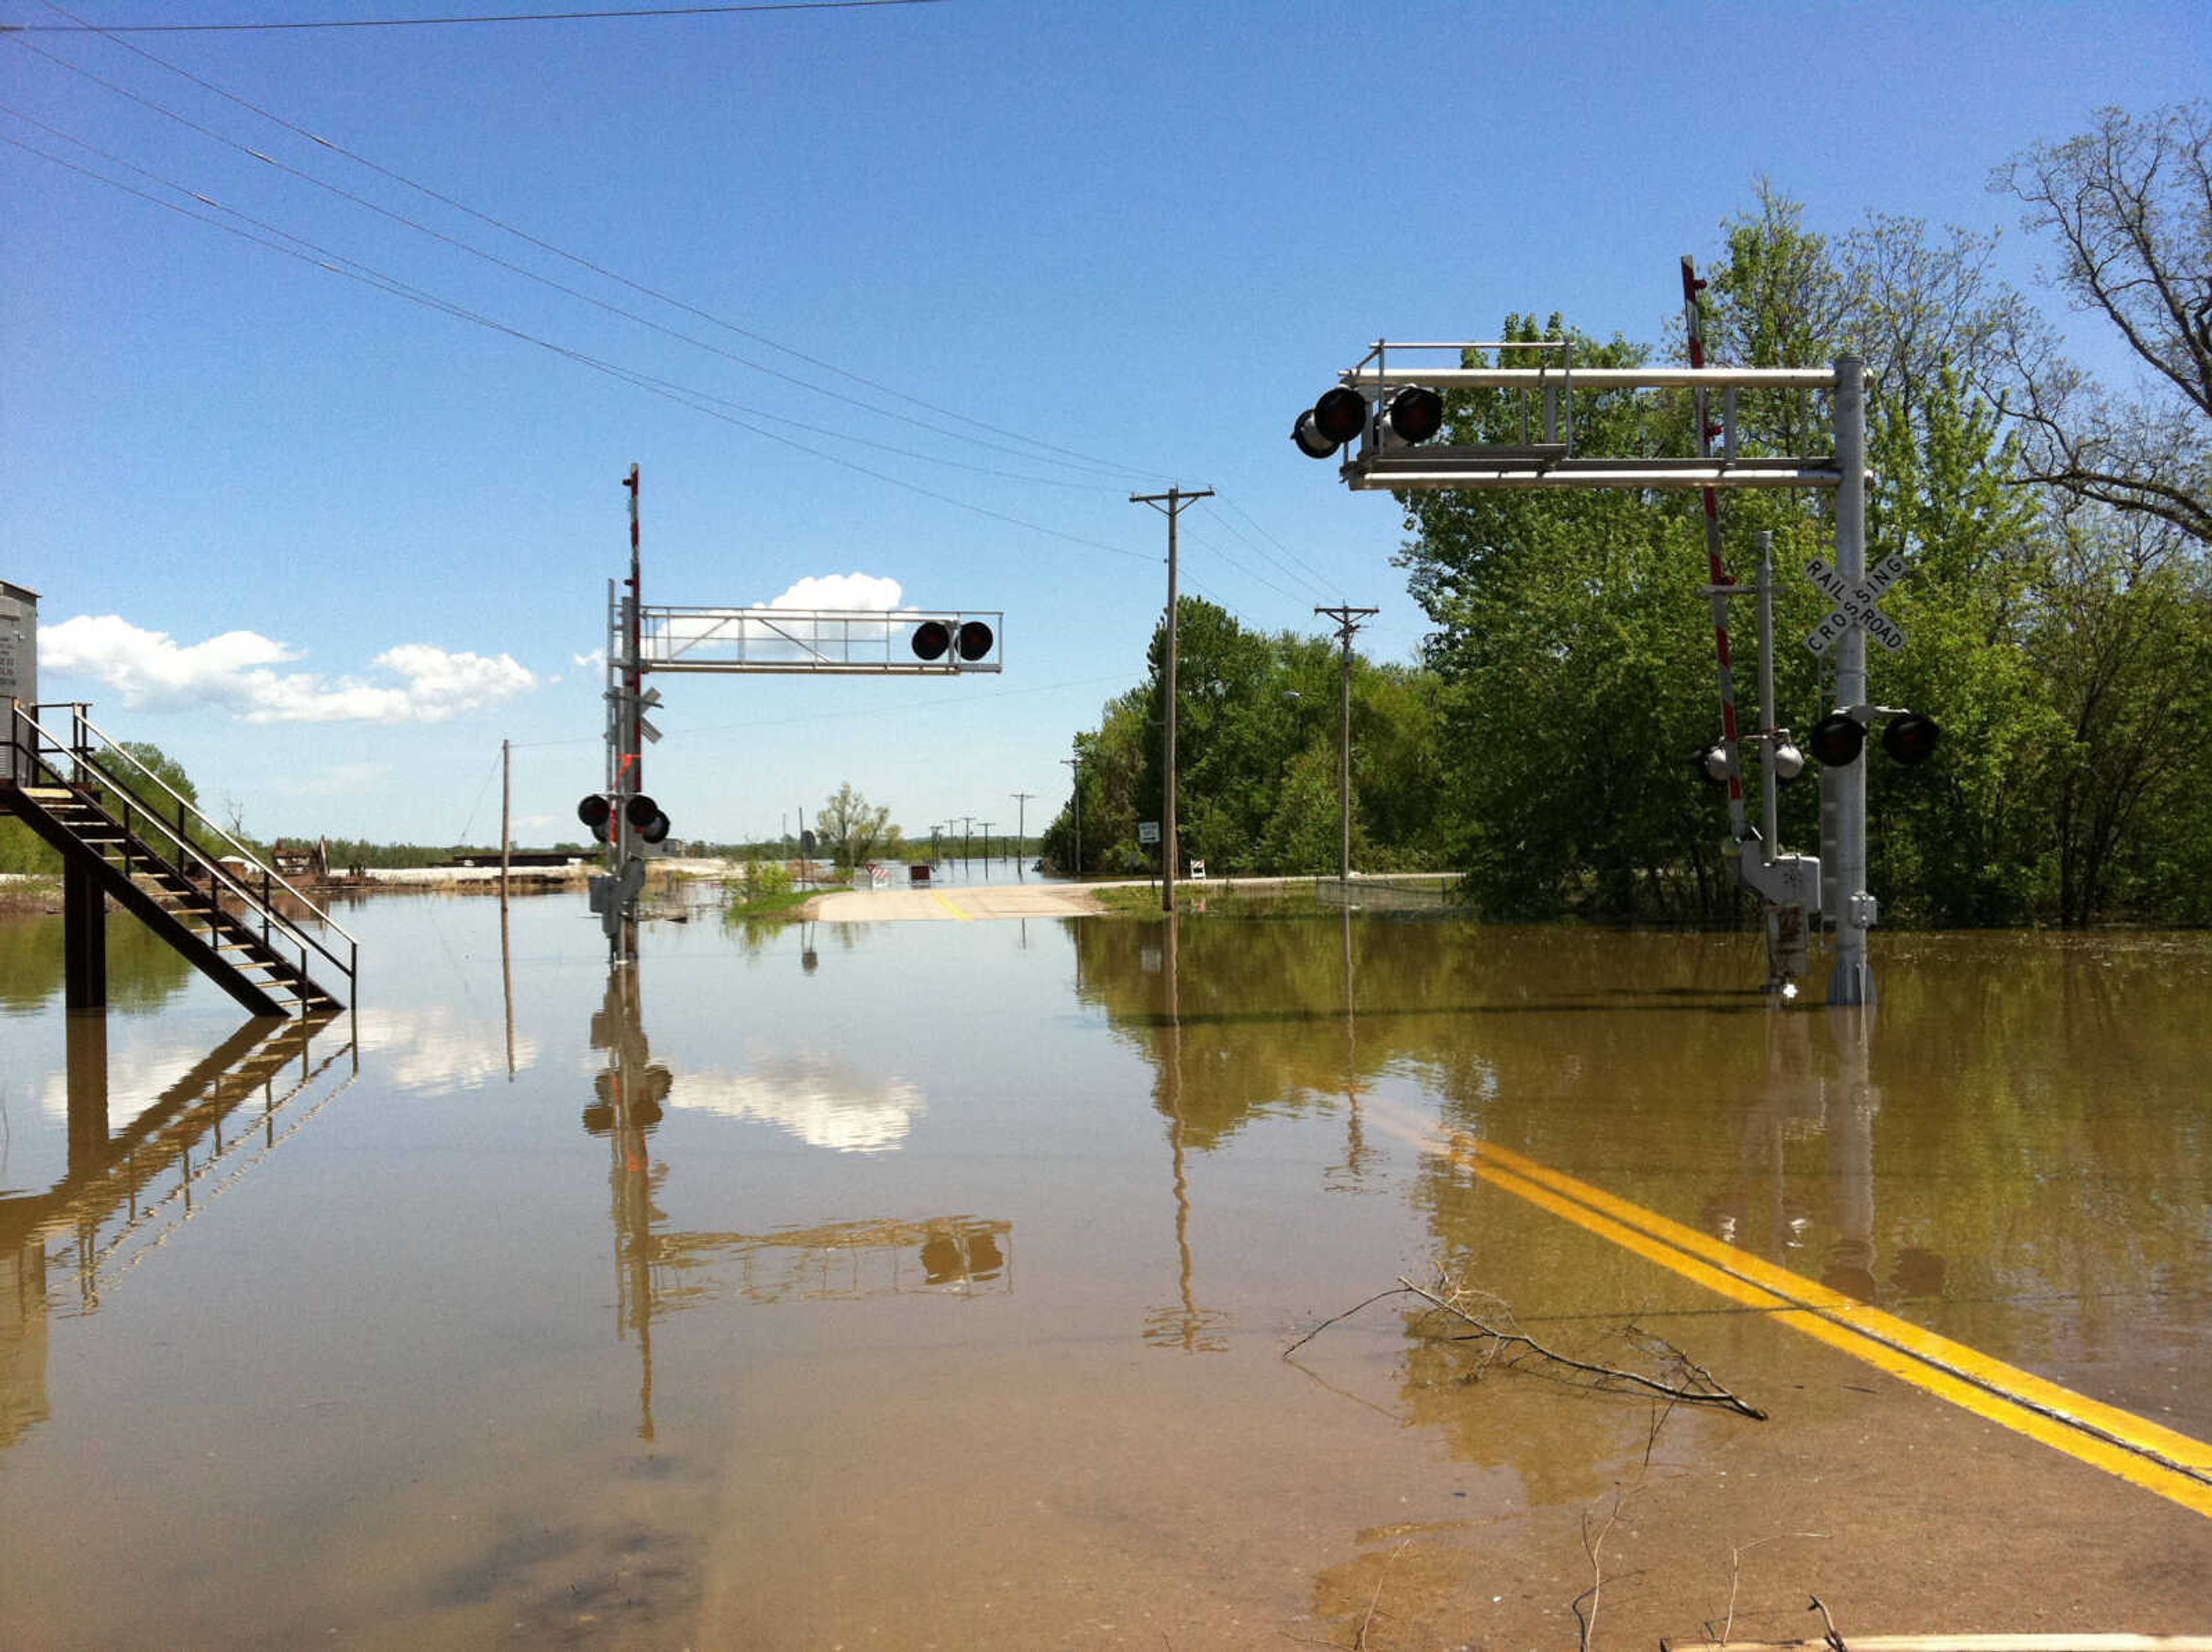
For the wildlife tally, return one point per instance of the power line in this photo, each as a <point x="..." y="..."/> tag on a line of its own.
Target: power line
<point x="1319" y="579"/>
<point x="698" y="401"/>
<point x="544" y="280"/>
<point x="642" y="379"/>
<point x="434" y="23"/>
<point x="1065" y="455"/>
<point x="933" y="706"/>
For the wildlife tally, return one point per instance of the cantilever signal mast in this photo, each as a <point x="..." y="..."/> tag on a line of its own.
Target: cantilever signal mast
<point x="822" y="642"/>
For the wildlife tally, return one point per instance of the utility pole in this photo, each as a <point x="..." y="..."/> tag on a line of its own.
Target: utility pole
<point x="1170" y="505"/>
<point x="1075" y="784"/>
<point x="505" y="813"/>
<point x="1347" y="620"/>
<point x="1021" y="829"/>
<point x="987" y="848"/>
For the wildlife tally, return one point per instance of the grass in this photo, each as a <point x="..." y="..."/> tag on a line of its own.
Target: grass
<point x="772" y="903"/>
<point x="1293" y="899"/>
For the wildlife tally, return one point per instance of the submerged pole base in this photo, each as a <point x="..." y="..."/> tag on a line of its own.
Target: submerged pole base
<point x="1851" y="982"/>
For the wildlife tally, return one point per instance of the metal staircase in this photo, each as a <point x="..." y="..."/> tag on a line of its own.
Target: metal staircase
<point x="122" y="832"/>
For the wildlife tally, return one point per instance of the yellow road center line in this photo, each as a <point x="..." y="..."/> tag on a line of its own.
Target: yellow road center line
<point x="964" y="917"/>
<point x="2144" y="1452"/>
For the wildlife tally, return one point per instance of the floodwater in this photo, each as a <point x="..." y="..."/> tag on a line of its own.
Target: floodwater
<point x="943" y="1284"/>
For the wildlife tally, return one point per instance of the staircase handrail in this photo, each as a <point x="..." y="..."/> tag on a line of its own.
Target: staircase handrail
<point x="82" y="751"/>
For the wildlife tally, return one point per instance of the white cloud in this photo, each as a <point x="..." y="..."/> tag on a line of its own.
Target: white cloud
<point x="152" y="672"/>
<point x="344" y="779"/>
<point x="438" y="1048"/>
<point x="865" y="591"/>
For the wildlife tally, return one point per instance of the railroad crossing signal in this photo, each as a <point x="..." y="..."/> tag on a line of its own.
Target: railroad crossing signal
<point x="1412" y="414"/>
<point x="1908" y="738"/>
<point x="968" y="641"/>
<point x="644" y="814"/>
<point x="1855" y="604"/>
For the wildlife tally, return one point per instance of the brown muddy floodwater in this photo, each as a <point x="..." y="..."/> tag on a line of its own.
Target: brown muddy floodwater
<point x="937" y="1285"/>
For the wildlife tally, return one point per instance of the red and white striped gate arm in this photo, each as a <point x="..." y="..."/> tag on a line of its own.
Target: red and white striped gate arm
<point x="1717" y="572"/>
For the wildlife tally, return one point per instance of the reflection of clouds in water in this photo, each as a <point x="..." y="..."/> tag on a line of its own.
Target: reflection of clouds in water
<point x="434" y="1048"/>
<point x="135" y="1076"/>
<point x="818" y="1101"/>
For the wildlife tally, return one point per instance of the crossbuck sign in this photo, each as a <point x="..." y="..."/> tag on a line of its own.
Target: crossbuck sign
<point x="1855" y="604"/>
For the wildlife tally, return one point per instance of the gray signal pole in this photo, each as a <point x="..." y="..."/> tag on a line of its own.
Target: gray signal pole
<point x="1347" y="620"/>
<point x="1170" y="505"/>
<point x="1851" y="981"/>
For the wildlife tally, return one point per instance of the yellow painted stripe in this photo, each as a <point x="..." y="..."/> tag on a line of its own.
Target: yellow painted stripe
<point x="1870" y="1322"/>
<point x="2159" y="1459"/>
<point x="2116" y="1459"/>
<point x="964" y="917"/>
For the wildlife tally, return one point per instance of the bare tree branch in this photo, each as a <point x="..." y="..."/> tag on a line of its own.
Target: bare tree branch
<point x="2130" y="205"/>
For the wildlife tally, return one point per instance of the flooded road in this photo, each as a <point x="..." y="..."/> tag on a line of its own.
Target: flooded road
<point x="942" y="1285"/>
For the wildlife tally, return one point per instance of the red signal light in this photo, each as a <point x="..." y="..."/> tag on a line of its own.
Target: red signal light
<point x="1837" y="740"/>
<point x="1910" y="739"/>
<point x="1340" y="415"/>
<point x="1416" y="413"/>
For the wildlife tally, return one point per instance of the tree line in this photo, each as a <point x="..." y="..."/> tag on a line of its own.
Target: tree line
<point x="2058" y="600"/>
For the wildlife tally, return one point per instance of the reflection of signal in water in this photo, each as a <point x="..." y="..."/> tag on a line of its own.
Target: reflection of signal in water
<point x="1193" y="1329"/>
<point x="956" y="1255"/>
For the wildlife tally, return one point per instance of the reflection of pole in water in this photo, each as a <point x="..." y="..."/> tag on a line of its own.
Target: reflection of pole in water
<point x="506" y="973"/>
<point x="1188" y="1327"/>
<point x="87" y="1055"/>
<point x="1849" y="1133"/>
<point x="1355" y="1143"/>
<point x="1797" y="1103"/>
<point x="628" y="1106"/>
<point x="1789" y="1100"/>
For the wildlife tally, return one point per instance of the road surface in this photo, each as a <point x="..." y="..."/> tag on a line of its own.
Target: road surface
<point x="955" y="903"/>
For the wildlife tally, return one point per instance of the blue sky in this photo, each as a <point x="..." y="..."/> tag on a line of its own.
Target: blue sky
<point x="329" y="546"/>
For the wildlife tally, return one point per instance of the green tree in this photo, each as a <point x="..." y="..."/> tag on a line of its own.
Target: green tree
<point x="2121" y="636"/>
<point x="855" y="830"/>
<point x="23" y="851"/>
<point x="1959" y="840"/>
<point x="1577" y="670"/>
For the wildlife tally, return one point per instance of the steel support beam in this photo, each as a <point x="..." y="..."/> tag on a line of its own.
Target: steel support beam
<point x="84" y="938"/>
